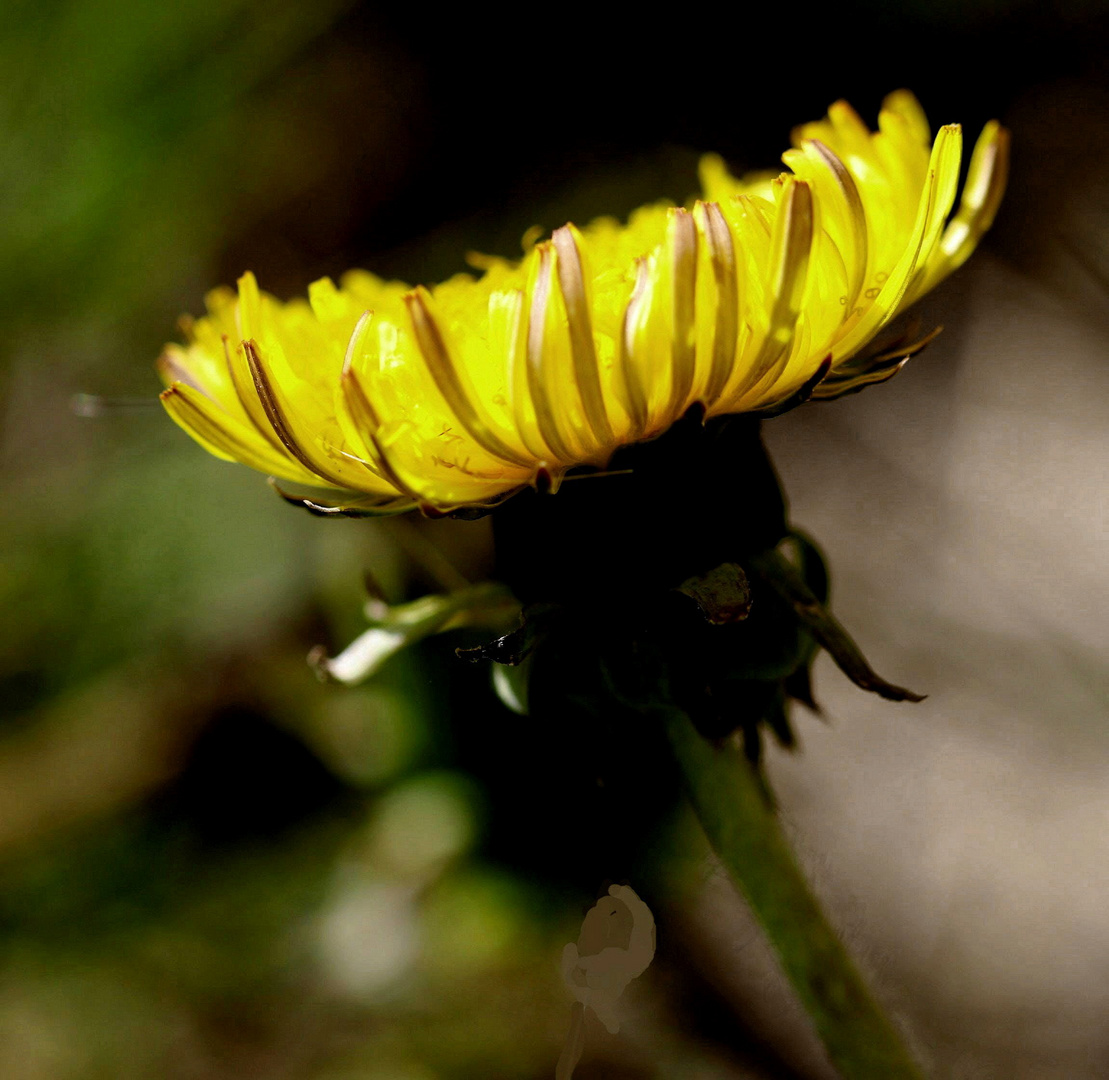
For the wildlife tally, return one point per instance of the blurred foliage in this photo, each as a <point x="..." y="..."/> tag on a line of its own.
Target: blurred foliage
<point x="211" y="865"/>
<point x="197" y="874"/>
<point x="119" y="122"/>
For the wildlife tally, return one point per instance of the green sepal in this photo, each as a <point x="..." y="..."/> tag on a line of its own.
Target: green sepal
<point x="798" y="685"/>
<point x="785" y="579"/>
<point x="813" y="567"/>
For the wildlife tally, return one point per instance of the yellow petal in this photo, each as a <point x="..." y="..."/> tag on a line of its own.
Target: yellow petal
<point x="543" y="384"/>
<point x="719" y="249"/>
<point x="681" y="244"/>
<point x="982" y="193"/>
<point x="226" y="437"/>
<point x="934" y="206"/>
<point x="842" y="211"/>
<point x="452" y="381"/>
<point x="462" y="393"/>
<point x="903" y="103"/>
<point x="571" y="281"/>
<point x="790" y="248"/>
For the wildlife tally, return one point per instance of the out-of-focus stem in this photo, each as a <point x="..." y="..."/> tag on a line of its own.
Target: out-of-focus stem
<point x="730" y="802"/>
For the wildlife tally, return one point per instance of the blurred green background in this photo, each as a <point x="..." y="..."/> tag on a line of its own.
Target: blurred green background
<point x="213" y="866"/>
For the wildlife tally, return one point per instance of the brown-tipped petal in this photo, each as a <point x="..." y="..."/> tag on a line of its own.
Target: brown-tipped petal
<point x="173" y="371"/>
<point x="356" y="415"/>
<point x="420" y="489"/>
<point x="519" y="395"/>
<point x="791" y="247"/>
<point x="238" y="369"/>
<point x="222" y="434"/>
<point x="250" y="323"/>
<point x="681" y="240"/>
<point x="263" y="387"/>
<point x="389" y="471"/>
<point x="571" y="281"/>
<point x="364" y="417"/>
<point x="985" y="185"/>
<point x="448" y="378"/>
<point x="537" y="376"/>
<point x="358" y="402"/>
<point x="354" y="342"/>
<point x="721" y="249"/>
<point x="856" y="215"/>
<point x="933" y="208"/>
<point x="946" y="156"/>
<point x="634" y="390"/>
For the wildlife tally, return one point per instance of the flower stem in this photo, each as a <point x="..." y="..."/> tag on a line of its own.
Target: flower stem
<point x="731" y="804"/>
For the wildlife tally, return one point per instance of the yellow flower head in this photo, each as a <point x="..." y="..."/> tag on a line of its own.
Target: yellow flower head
<point x="380" y="397"/>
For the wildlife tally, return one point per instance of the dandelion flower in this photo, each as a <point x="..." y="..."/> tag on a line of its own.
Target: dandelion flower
<point x="378" y="397"/>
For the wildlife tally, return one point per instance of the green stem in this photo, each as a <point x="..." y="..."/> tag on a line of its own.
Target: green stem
<point x="731" y="805"/>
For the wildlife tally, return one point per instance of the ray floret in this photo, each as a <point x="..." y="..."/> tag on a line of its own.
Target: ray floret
<point x="376" y="397"/>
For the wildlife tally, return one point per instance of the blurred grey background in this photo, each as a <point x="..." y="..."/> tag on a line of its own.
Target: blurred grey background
<point x="211" y="866"/>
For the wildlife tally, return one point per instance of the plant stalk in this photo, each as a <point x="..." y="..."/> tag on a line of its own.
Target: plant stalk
<point x="731" y="804"/>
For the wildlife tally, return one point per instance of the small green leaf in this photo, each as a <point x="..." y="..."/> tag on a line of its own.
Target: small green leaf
<point x="396" y="627"/>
